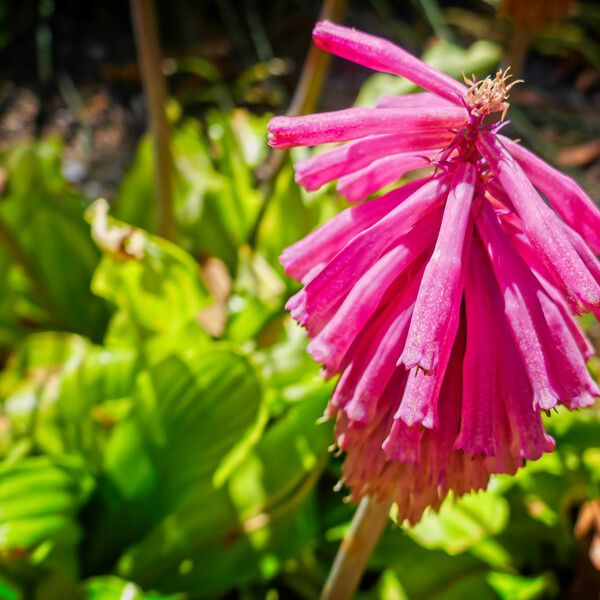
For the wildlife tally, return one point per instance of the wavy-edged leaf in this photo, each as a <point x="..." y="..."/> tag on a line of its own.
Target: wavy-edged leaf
<point x="265" y="513"/>
<point x="194" y="417"/>
<point x="51" y="247"/>
<point x="39" y="501"/>
<point x="153" y="281"/>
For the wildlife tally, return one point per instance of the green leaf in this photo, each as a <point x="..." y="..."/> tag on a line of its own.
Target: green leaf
<point x="153" y="281"/>
<point x="29" y="387"/>
<point x="432" y="574"/>
<point x="461" y="523"/>
<point x="390" y="587"/>
<point x="8" y="590"/>
<point x="216" y="199"/>
<point x="39" y="501"/>
<point x="69" y="406"/>
<point x="194" y="417"/>
<point x="516" y="587"/>
<point x="264" y="514"/>
<point x="38" y="355"/>
<point x="113" y="588"/>
<point x="208" y="406"/>
<point x="100" y="376"/>
<point x="46" y="240"/>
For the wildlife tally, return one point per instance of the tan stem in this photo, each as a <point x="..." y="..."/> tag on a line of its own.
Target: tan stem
<point x="155" y="91"/>
<point x="347" y="570"/>
<point x="315" y="66"/>
<point x="304" y="101"/>
<point x="517" y="52"/>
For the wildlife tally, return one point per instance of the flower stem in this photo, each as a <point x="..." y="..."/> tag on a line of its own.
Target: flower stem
<point x="353" y="554"/>
<point x="155" y="90"/>
<point x="517" y="52"/>
<point x="304" y="101"/>
<point x="10" y="243"/>
<point x="315" y="66"/>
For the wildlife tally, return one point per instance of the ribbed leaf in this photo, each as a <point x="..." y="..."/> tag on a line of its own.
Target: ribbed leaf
<point x="219" y="537"/>
<point x="39" y="501"/>
<point x="44" y="217"/>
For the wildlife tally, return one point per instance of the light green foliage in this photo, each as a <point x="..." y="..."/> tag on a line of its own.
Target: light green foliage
<point x="462" y="524"/>
<point x="113" y="588"/>
<point x="144" y="456"/>
<point x="41" y="217"/>
<point x="158" y="292"/>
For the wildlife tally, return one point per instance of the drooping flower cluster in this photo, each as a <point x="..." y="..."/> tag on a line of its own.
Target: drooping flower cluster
<point x="446" y="305"/>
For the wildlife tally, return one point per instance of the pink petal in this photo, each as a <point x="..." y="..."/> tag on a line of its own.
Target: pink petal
<point x="583" y="344"/>
<point x="420" y="400"/>
<point x="521" y="305"/>
<point x="529" y="440"/>
<point x="380" y="55"/>
<point x="332" y="343"/>
<point x="564" y="194"/>
<point x="324" y="243"/>
<point x="450" y="406"/>
<point x="403" y="442"/>
<point x="438" y="302"/>
<point x="588" y="258"/>
<point x="574" y="383"/>
<point x="353" y="123"/>
<point x="380" y="363"/>
<point x="418" y="100"/>
<point x="542" y="227"/>
<point x="313" y="172"/>
<point x="528" y="254"/>
<point x="437" y="444"/>
<point x="365" y="365"/>
<point x="330" y="287"/>
<point x="481" y="410"/>
<point x="495" y="359"/>
<point x="360" y="184"/>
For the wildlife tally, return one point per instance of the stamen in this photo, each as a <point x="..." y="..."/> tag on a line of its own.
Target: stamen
<point x="489" y="95"/>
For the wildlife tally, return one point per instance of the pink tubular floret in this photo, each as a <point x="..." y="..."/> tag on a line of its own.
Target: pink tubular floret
<point x="521" y="306"/>
<point x="353" y="123"/>
<point x="418" y="100"/>
<point x="359" y="185"/>
<point x="438" y="300"/>
<point x="542" y="227"/>
<point x="563" y="193"/>
<point x="312" y="173"/>
<point x="324" y="243"/>
<point x="380" y="55"/>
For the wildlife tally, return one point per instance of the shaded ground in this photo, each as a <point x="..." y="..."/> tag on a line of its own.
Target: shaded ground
<point x="70" y="70"/>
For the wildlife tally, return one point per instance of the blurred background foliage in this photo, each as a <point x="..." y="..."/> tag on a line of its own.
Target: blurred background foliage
<point x="158" y="412"/>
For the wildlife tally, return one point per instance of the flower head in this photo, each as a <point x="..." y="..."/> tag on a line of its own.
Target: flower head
<point x="445" y="305"/>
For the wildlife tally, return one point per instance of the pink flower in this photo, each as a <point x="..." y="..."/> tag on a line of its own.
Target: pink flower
<point x="446" y="305"/>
